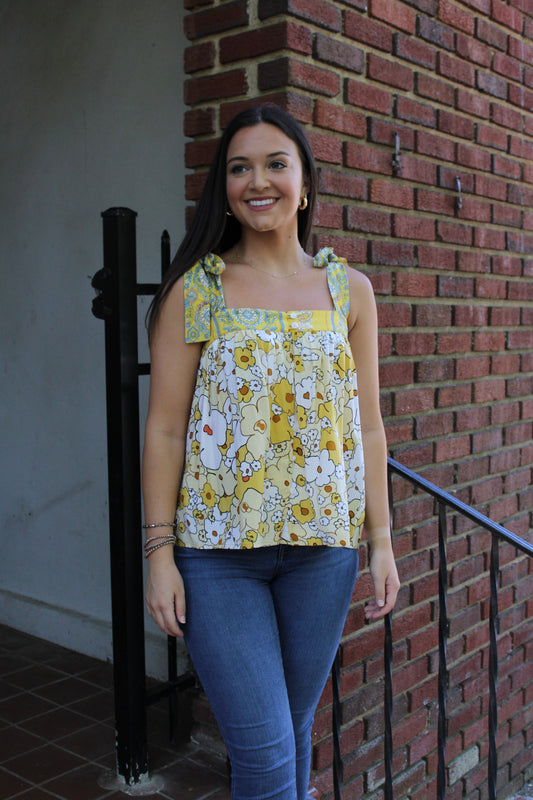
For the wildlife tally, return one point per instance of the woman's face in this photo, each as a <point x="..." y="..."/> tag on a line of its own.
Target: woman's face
<point x="264" y="178"/>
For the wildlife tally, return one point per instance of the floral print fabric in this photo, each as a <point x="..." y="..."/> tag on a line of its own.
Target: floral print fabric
<point x="274" y="453"/>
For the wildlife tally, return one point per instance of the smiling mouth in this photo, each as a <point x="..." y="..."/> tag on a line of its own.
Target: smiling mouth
<point x="259" y="204"/>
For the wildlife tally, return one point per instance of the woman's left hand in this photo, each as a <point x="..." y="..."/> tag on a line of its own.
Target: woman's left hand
<point x="386" y="581"/>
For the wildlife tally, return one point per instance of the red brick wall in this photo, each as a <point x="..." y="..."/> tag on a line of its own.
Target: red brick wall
<point x="454" y="285"/>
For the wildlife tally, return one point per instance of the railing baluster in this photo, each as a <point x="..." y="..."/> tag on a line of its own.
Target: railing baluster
<point x="443" y="667"/>
<point x="165" y="253"/>
<point x="387" y="668"/>
<point x="493" y="666"/>
<point x="336" y="709"/>
<point x="172" y="672"/>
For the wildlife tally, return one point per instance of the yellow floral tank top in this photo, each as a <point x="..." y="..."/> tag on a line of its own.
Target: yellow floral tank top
<point x="274" y="453"/>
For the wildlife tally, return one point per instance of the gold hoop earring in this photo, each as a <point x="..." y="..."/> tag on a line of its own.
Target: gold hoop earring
<point x="302" y="205"/>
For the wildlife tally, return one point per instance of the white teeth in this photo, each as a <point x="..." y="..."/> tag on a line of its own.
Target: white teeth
<point x="257" y="203"/>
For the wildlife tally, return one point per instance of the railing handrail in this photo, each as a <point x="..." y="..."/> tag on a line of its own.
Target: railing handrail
<point x="458" y="505"/>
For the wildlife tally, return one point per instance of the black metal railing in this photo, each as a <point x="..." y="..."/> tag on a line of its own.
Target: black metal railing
<point x="116" y="303"/>
<point x="445" y="502"/>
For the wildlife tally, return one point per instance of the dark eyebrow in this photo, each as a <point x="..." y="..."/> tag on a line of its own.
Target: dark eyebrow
<point x="270" y="155"/>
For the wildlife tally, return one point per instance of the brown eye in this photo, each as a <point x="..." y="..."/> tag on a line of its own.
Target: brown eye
<point x="237" y="169"/>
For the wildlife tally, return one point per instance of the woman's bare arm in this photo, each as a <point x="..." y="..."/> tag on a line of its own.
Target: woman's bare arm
<point x="174" y="365"/>
<point x="363" y="336"/>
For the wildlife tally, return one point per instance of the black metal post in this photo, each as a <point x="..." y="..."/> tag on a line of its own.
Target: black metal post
<point x="117" y="304"/>
<point x="443" y="666"/>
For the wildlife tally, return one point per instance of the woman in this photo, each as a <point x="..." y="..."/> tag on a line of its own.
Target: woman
<point x="263" y="398"/>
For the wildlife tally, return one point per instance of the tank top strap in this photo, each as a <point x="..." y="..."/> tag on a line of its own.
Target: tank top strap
<point x="337" y="279"/>
<point x="202" y="297"/>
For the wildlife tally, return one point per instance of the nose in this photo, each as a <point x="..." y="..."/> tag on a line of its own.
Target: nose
<point x="259" y="178"/>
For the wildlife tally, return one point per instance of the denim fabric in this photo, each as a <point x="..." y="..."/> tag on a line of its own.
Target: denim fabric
<point x="262" y="630"/>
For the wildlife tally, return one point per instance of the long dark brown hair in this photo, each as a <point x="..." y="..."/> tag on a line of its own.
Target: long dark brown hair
<point x="211" y="229"/>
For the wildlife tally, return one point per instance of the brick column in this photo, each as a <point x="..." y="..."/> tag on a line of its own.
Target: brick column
<point x="452" y="82"/>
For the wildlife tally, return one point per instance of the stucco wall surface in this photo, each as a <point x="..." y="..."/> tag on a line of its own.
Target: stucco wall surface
<point x="91" y="98"/>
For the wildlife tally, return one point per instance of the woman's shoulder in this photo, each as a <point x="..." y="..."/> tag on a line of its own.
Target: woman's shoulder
<point x="210" y="264"/>
<point x="201" y="296"/>
<point x="357" y="282"/>
<point x="201" y="276"/>
<point x="355" y="286"/>
<point x="326" y="257"/>
<point x="361" y="295"/>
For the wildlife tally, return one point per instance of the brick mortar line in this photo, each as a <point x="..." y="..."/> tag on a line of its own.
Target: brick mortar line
<point x="367" y="49"/>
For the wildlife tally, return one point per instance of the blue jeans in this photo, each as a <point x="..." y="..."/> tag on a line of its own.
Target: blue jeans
<point x="262" y="630"/>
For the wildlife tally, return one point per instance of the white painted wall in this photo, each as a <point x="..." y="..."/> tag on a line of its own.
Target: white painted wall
<point x="91" y="99"/>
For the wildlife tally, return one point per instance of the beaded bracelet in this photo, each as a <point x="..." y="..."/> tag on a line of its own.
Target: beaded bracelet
<point x="165" y="540"/>
<point x="160" y="525"/>
<point x="155" y="538"/>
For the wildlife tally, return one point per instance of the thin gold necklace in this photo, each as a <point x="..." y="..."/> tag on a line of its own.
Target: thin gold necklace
<point x="271" y="274"/>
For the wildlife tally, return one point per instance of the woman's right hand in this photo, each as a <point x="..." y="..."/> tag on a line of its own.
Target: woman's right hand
<point x="165" y="594"/>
